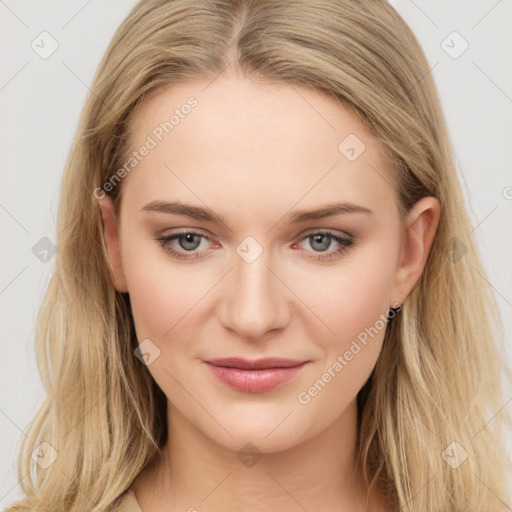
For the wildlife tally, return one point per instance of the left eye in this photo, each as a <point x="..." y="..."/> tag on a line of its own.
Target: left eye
<point x="189" y="241"/>
<point x="323" y="239"/>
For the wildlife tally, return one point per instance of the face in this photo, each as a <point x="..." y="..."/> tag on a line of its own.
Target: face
<point x="261" y="280"/>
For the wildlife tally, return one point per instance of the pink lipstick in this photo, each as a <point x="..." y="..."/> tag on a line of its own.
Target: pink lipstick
<point x="254" y="376"/>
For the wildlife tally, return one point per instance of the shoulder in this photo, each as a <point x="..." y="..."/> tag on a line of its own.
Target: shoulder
<point x="128" y="503"/>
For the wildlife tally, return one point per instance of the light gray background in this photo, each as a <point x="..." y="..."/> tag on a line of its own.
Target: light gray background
<point x="42" y="98"/>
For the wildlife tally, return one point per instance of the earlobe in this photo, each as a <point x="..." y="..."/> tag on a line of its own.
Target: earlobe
<point x="418" y="236"/>
<point x="111" y="237"/>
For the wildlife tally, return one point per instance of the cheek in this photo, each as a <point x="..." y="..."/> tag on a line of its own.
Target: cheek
<point x="355" y="295"/>
<point x="354" y="306"/>
<point x="162" y="293"/>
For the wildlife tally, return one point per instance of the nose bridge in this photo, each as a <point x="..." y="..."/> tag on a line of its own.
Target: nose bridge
<point x="255" y="301"/>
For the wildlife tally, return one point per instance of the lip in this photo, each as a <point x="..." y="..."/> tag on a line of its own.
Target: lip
<point x="255" y="364"/>
<point x="255" y="376"/>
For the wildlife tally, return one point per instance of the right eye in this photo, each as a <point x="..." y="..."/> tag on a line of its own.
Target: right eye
<point x="188" y="240"/>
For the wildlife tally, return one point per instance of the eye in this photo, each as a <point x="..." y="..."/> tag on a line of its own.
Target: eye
<point x="189" y="241"/>
<point x="322" y="240"/>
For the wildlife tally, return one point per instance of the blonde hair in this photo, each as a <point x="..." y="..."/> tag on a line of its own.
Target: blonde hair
<point x="436" y="381"/>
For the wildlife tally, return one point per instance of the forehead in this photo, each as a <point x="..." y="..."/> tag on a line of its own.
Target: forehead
<point x="234" y="142"/>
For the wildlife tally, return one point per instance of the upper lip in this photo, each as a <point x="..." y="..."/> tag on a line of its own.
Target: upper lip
<point x="257" y="364"/>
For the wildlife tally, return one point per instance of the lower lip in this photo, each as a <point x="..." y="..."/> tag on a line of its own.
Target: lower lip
<point x="255" y="381"/>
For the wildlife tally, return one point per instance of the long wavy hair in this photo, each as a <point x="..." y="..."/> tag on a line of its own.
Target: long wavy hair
<point x="434" y="395"/>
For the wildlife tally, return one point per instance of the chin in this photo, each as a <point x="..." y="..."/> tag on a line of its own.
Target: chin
<point x="273" y="432"/>
<point x="253" y="440"/>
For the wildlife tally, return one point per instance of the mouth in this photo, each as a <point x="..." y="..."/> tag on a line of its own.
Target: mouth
<point x="255" y="376"/>
<point x="257" y="364"/>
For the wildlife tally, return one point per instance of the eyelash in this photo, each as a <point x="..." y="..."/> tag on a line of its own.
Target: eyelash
<point x="346" y="244"/>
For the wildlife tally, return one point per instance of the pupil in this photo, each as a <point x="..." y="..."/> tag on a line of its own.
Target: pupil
<point x="189" y="239"/>
<point x="319" y="238"/>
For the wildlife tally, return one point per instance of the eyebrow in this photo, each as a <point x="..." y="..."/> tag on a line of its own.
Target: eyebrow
<point x="294" y="217"/>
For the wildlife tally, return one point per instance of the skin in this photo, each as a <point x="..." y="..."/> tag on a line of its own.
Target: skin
<point x="252" y="152"/>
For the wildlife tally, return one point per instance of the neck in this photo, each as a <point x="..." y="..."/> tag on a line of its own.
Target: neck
<point x="195" y="471"/>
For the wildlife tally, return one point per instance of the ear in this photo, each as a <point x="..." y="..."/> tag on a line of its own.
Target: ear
<point x="419" y="230"/>
<point x="111" y="236"/>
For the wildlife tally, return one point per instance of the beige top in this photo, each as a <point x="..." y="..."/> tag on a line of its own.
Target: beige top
<point x="128" y="503"/>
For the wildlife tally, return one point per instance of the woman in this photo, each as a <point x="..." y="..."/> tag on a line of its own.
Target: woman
<point x="266" y="293"/>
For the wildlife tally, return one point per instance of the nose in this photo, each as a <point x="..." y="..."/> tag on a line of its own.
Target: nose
<point x="255" y="298"/>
